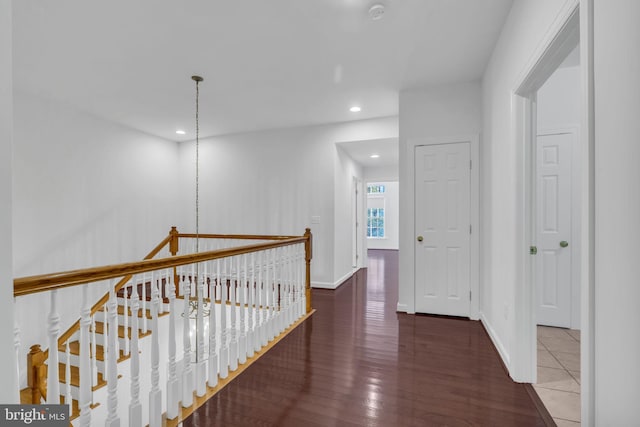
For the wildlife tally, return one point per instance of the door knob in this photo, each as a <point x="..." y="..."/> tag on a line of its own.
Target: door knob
<point x="420" y="239"/>
<point x="564" y="244"/>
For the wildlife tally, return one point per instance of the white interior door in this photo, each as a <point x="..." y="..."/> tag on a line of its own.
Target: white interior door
<point x="443" y="227"/>
<point x="553" y="229"/>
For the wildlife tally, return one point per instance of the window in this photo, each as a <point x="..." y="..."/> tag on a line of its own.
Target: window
<point x="375" y="189"/>
<point x="375" y="222"/>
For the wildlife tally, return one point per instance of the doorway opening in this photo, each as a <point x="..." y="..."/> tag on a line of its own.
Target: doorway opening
<point x="558" y="44"/>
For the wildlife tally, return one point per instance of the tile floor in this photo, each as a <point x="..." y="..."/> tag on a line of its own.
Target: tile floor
<point x="559" y="374"/>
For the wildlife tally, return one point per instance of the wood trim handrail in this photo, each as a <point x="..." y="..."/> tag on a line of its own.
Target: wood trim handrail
<point x="235" y="236"/>
<point x="48" y="282"/>
<point x="102" y="301"/>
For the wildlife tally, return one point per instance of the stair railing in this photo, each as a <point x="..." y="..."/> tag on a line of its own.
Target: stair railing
<point x="252" y="293"/>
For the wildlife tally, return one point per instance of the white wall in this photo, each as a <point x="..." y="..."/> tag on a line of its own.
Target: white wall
<point x="443" y="111"/>
<point x="7" y="355"/>
<point x="617" y="211"/>
<point x="381" y="173"/>
<point x="391" y="206"/>
<point x="86" y="193"/>
<point x="558" y="102"/>
<point x="526" y="26"/>
<point x="274" y="182"/>
<point x="345" y="170"/>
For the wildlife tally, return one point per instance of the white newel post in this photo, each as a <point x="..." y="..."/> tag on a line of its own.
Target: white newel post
<point x="172" y="383"/>
<point x="187" y="373"/>
<point x="201" y="363"/>
<point x="242" y="284"/>
<point x="212" y="379"/>
<point x="53" y="380"/>
<point x="233" y="346"/>
<point x="135" y="407"/>
<point x="224" y="349"/>
<point x="112" y="370"/>
<point x="155" y="395"/>
<point x="85" y="397"/>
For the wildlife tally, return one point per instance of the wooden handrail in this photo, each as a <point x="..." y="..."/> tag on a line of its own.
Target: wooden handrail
<point x="102" y="301"/>
<point x="235" y="236"/>
<point x="48" y="282"/>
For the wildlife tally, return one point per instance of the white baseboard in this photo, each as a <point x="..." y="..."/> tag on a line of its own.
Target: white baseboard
<point x="402" y="308"/>
<point x="323" y="285"/>
<point x="334" y="285"/>
<point x="496" y="342"/>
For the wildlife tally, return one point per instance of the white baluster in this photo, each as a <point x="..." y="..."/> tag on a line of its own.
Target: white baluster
<point x="135" y="407"/>
<point x="242" y="284"/>
<point x="16" y="348"/>
<point x="84" y="401"/>
<point x="155" y="395"/>
<point x="212" y="379"/>
<point x="224" y="348"/>
<point x="201" y="363"/>
<point x="250" y="303"/>
<point x="144" y="304"/>
<point x="67" y="375"/>
<point x="187" y="373"/>
<point x="290" y="305"/>
<point x="125" y="294"/>
<point x="162" y="283"/>
<point x="263" y="300"/>
<point x="113" y="420"/>
<point x="53" y="380"/>
<point x="276" y="295"/>
<point x="172" y="383"/>
<point x="94" y="359"/>
<point x="269" y="293"/>
<point x="233" y="346"/>
<point x="259" y="304"/>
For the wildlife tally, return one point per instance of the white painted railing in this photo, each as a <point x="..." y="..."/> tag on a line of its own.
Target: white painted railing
<point x="128" y="363"/>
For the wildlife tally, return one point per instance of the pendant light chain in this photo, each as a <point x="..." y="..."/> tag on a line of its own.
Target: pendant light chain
<point x="197" y="79"/>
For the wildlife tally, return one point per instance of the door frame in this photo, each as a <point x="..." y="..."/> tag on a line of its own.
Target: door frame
<point x="474" y="214"/>
<point x="574" y="23"/>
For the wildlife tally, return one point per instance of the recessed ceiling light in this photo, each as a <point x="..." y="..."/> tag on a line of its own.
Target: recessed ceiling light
<point x="355" y="109"/>
<point x="180" y="132"/>
<point x="375" y="156"/>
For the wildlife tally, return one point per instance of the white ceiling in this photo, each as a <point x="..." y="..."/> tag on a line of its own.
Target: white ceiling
<point x="266" y="64"/>
<point x="361" y="151"/>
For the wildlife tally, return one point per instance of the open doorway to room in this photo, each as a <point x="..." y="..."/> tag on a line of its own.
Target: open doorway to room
<point x="539" y="153"/>
<point x="556" y="221"/>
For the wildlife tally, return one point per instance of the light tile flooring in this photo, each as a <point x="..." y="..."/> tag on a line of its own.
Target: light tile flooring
<point x="559" y="374"/>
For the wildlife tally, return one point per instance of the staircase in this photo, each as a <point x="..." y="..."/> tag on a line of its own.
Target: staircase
<point x="259" y="286"/>
<point x="98" y="329"/>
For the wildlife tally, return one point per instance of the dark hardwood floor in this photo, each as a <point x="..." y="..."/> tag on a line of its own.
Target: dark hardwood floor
<point x="356" y="362"/>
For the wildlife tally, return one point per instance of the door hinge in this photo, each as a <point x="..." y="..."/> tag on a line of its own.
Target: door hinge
<point x="470" y="229"/>
<point x="470" y="164"/>
<point x="469" y="295"/>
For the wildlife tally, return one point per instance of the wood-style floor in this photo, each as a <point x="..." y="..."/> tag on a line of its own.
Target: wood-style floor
<point x="356" y="362"/>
